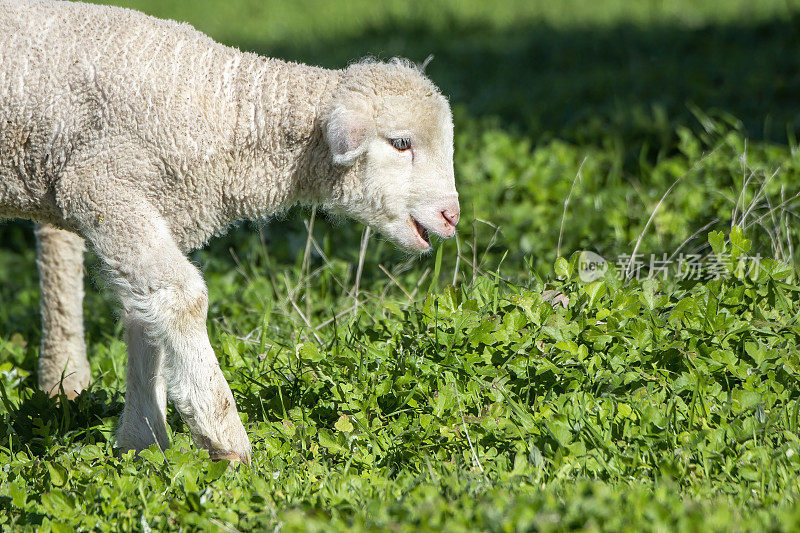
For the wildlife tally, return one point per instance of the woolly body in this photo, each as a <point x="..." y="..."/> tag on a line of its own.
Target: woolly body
<point x="146" y="138"/>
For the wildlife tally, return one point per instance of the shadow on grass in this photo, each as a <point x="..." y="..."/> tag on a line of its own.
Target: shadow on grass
<point x="37" y="422"/>
<point x="587" y="83"/>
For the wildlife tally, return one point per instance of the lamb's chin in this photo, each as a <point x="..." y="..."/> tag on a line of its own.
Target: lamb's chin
<point x="410" y="244"/>
<point x="405" y="238"/>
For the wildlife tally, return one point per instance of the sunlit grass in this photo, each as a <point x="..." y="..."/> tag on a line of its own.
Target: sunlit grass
<point x="386" y="393"/>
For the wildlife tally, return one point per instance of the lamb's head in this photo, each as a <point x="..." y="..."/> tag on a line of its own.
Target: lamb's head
<point x="391" y="131"/>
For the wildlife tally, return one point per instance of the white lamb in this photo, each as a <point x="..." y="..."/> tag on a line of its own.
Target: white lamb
<point x="147" y="138"/>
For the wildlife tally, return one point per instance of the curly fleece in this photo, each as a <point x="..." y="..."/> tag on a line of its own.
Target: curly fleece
<point x="146" y="138"/>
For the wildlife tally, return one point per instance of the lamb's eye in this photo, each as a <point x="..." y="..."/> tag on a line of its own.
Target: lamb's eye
<point x="402" y="144"/>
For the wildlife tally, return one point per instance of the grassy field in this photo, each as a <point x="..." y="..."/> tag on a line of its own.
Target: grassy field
<point x="445" y="393"/>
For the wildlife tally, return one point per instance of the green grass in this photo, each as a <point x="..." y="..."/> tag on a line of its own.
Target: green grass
<point x="446" y="393"/>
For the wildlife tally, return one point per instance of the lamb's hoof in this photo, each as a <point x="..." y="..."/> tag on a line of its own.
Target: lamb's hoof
<point x="230" y="442"/>
<point x="134" y="438"/>
<point x="230" y="456"/>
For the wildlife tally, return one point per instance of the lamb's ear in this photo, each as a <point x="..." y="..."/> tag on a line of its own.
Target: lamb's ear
<point x="347" y="135"/>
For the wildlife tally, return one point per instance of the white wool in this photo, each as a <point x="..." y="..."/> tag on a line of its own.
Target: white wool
<point x="146" y="138"/>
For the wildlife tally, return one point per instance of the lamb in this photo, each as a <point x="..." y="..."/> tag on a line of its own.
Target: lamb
<point x="146" y="138"/>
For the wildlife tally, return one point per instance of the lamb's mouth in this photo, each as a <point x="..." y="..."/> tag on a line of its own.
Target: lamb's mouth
<point x="421" y="234"/>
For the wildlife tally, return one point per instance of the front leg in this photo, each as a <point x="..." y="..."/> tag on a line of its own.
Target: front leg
<point x="166" y="303"/>
<point x="144" y="420"/>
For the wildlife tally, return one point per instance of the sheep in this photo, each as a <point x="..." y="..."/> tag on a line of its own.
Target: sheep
<point x="145" y="138"/>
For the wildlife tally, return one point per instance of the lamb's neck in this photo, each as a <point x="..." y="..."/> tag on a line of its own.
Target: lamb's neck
<point x="279" y="153"/>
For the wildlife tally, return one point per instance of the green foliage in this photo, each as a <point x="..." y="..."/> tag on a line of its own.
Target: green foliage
<point x="485" y="387"/>
<point x="638" y="405"/>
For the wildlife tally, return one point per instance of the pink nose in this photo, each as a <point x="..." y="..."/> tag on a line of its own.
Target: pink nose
<point x="451" y="216"/>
